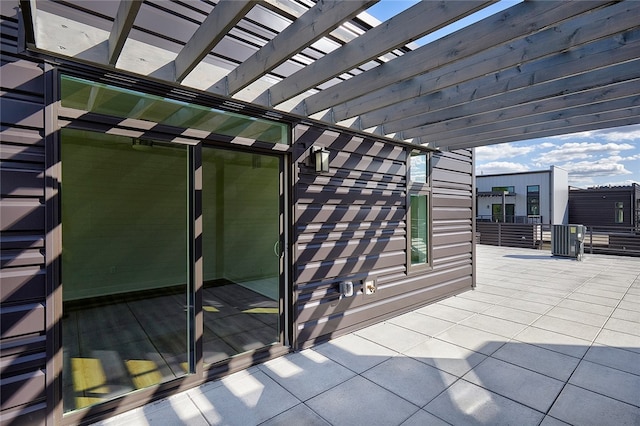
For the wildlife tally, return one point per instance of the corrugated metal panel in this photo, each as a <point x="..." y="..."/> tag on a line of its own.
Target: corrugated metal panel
<point x="22" y="221"/>
<point x="351" y="223"/>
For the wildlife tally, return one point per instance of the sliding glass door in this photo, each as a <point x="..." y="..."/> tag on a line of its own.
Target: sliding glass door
<point x="128" y="293"/>
<point x="241" y="210"/>
<point x="124" y="265"/>
<point x="132" y="252"/>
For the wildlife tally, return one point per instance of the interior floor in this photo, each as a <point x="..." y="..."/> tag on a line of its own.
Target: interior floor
<point x="130" y="343"/>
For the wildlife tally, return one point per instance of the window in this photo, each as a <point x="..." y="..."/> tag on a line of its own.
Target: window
<point x="619" y="211"/>
<point x="124" y="269"/>
<point x="133" y="262"/>
<point x="509" y="189"/>
<point x="119" y="102"/>
<point x="418" y="211"/>
<point x="499" y="215"/>
<point x="533" y="200"/>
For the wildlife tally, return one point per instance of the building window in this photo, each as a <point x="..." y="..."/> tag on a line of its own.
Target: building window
<point x="506" y="215"/>
<point x="419" y="229"/>
<point x="533" y="200"/>
<point x="418" y="211"/>
<point x="509" y="189"/>
<point x="619" y="211"/>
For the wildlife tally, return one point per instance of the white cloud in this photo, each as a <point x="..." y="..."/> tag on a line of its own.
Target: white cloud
<point x="601" y="157"/>
<point x="505" y="150"/>
<point x="572" y="151"/>
<point x="632" y="158"/>
<point x="601" y="167"/>
<point x="496" y="167"/>
<point x="616" y="134"/>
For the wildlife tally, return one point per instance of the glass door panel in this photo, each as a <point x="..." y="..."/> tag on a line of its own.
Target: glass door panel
<point x="241" y="250"/>
<point x="124" y="265"/>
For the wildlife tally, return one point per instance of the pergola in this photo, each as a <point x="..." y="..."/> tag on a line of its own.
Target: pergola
<point x="536" y="69"/>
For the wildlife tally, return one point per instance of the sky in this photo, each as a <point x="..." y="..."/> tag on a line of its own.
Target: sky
<point x="595" y="158"/>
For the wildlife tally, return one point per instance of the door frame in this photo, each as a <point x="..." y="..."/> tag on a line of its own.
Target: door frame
<point x="59" y="118"/>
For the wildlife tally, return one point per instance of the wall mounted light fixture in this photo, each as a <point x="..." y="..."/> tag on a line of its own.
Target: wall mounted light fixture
<point x="320" y="159"/>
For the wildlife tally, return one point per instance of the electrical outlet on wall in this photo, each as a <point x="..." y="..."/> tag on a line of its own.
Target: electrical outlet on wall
<point x="369" y="286"/>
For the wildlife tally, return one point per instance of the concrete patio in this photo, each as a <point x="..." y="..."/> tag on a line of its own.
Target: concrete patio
<point x="541" y="341"/>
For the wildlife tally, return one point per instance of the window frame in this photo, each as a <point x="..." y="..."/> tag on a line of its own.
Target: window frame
<point x="533" y="195"/>
<point x="505" y="188"/>
<point x="618" y="212"/>
<point x="71" y="118"/>
<point x="419" y="189"/>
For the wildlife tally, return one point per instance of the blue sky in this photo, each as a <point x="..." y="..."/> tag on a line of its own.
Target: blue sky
<point x="601" y="157"/>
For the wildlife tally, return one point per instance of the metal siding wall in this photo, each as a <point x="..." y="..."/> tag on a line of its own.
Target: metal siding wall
<point x="596" y="208"/>
<point x="22" y="226"/>
<point x="351" y="223"/>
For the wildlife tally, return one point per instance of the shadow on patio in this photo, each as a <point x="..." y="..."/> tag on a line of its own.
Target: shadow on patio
<point x="541" y="341"/>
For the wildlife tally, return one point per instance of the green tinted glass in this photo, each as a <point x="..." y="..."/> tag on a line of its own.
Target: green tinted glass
<point x="110" y="100"/>
<point x="419" y="230"/>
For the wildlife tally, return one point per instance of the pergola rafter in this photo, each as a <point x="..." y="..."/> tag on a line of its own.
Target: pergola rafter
<point x="392" y="34"/>
<point x="520" y="21"/>
<point x="534" y="69"/>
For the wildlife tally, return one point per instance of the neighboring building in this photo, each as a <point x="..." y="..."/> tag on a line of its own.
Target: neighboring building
<point x="529" y="197"/>
<point x="606" y="206"/>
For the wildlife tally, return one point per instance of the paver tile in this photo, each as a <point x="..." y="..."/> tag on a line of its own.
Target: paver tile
<point x="524" y="386"/>
<point x="465" y="403"/>
<point x="354" y="352"/>
<point x="446" y="356"/>
<point x="471" y="338"/>
<point x="607" y="381"/>
<point x="544" y="361"/>
<point x="420" y="323"/>
<point x="554" y="341"/>
<point x="392" y="336"/>
<point x="359" y="401"/>
<point x="412" y="380"/>
<point x="306" y="374"/>
<point x="578" y="406"/>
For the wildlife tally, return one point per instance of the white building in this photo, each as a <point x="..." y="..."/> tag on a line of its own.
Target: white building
<point x="529" y="197"/>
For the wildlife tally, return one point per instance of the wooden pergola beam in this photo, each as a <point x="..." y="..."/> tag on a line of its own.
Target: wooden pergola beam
<point x="535" y="110"/>
<point x="514" y="23"/>
<point x="502" y="62"/>
<point x="599" y="78"/>
<point x="595" y="110"/>
<point x="318" y="21"/>
<point x="122" y="24"/>
<point x="604" y="121"/>
<point x="565" y="65"/>
<point x="392" y="34"/>
<point x="225" y="15"/>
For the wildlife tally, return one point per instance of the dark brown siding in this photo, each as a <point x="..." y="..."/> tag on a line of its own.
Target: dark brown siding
<point x="22" y="227"/>
<point x="596" y="207"/>
<point x="350" y="224"/>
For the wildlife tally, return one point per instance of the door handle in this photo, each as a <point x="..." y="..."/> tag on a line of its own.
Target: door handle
<point x="276" y="248"/>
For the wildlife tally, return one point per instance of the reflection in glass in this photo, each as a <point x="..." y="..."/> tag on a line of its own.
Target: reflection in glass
<point x="116" y="101"/>
<point x="124" y="271"/>
<point x="241" y="252"/>
<point x="418" y="170"/>
<point x="419" y="229"/>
